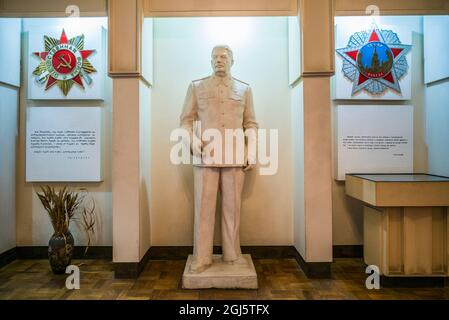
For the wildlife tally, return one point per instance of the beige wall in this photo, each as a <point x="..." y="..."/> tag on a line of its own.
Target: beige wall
<point x="297" y="123"/>
<point x="9" y="83"/>
<point x="145" y="138"/>
<point x="181" y="54"/>
<point x="145" y="165"/>
<point x="126" y="183"/>
<point x="33" y="224"/>
<point x="437" y="93"/>
<point x="437" y="111"/>
<point x="8" y="142"/>
<point x="347" y="212"/>
<point x="317" y="169"/>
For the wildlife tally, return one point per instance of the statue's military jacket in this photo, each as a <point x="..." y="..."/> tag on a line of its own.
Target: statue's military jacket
<point x="219" y="103"/>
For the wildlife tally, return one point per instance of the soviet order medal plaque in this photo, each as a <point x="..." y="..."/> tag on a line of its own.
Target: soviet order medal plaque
<point x="64" y="62"/>
<point x="375" y="61"/>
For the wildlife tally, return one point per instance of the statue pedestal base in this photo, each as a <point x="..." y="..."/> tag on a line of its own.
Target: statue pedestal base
<point x="222" y="275"/>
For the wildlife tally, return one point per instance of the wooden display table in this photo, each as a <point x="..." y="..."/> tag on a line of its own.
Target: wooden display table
<point x="405" y="222"/>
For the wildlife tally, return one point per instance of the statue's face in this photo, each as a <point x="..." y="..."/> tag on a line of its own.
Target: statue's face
<point x="221" y="62"/>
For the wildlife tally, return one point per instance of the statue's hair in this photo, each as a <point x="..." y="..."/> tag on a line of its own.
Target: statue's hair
<point x="226" y="47"/>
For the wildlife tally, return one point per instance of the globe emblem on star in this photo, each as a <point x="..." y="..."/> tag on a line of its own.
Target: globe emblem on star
<point x="375" y="60"/>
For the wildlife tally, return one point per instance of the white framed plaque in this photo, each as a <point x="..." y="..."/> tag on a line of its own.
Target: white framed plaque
<point x="373" y="60"/>
<point x="66" y="62"/>
<point x="63" y="144"/>
<point x="374" y="139"/>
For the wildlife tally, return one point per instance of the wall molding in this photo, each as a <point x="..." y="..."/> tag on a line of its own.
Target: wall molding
<point x="49" y="8"/>
<point x="311" y="269"/>
<point x="436" y="82"/>
<point x="7" y="257"/>
<point x="256" y="252"/>
<point x="412" y="282"/>
<point x="181" y="252"/>
<point x="388" y="7"/>
<point x="9" y="86"/>
<point x="314" y="270"/>
<point x="347" y="251"/>
<point x="116" y="74"/>
<point x="125" y="31"/>
<point x="185" y="8"/>
<point x="317" y="74"/>
<point x="317" y="38"/>
<point x="41" y="252"/>
<point x="147" y="83"/>
<point x="131" y="270"/>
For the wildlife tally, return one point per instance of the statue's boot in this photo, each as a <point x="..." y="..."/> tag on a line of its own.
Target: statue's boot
<point x="198" y="267"/>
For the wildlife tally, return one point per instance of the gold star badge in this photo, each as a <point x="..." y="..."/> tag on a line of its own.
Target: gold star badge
<point x="64" y="62"/>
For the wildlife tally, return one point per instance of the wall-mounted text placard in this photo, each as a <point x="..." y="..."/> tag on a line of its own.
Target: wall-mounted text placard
<point x="374" y="139"/>
<point x="63" y="144"/>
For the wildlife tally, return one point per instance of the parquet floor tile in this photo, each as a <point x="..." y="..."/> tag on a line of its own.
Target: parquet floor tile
<point x="161" y="280"/>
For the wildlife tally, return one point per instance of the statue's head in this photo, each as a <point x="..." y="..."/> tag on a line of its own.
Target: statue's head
<point x="222" y="60"/>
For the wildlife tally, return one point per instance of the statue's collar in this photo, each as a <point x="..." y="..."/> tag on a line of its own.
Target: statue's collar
<point x="227" y="81"/>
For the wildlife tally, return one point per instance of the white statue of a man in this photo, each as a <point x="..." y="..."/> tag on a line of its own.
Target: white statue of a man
<point x="222" y="103"/>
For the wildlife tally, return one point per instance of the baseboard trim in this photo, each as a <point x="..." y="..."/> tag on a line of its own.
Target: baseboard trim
<point x="172" y="252"/>
<point x="256" y="252"/>
<point x="347" y="251"/>
<point x="130" y="270"/>
<point x="412" y="282"/>
<point x="7" y="257"/>
<point x="32" y="252"/>
<point x="41" y="252"/>
<point x="270" y="252"/>
<point x="133" y="269"/>
<point x="314" y="270"/>
<point x="311" y="269"/>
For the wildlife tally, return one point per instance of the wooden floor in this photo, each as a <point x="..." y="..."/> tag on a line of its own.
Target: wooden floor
<point x="278" y="279"/>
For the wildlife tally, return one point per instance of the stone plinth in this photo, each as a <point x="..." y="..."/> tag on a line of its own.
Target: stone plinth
<point x="239" y="275"/>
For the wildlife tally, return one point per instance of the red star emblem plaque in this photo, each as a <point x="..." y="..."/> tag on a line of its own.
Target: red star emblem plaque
<point x="375" y="61"/>
<point x="64" y="62"/>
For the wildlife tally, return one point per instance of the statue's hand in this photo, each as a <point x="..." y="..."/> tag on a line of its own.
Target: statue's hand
<point x="197" y="147"/>
<point x="248" y="167"/>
